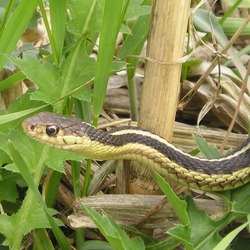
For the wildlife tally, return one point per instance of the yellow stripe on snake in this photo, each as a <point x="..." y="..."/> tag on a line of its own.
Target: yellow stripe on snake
<point x="68" y="133"/>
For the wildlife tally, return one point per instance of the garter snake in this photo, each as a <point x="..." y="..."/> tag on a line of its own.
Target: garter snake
<point x="68" y="133"/>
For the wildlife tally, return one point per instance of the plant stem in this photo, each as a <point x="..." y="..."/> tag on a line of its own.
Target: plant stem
<point x="87" y="178"/>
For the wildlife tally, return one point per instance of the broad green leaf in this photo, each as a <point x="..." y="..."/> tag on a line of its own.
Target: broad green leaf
<point x="132" y="47"/>
<point x="136" y="39"/>
<point x="238" y="199"/>
<point x="112" y="232"/>
<point x="125" y="29"/>
<point x="96" y="245"/>
<point x="8" y="226"/>
<point x="3" y="142"/>
<point x="206" y="21"/>
<point x="4" y="158"/>
<point x="202" y="232"/>
<point x="29" y="152"/>
<point x="24" y="103"/>
<point x="137" y="9"/>
<point x="77" y="69"/>
<point x="169" y="243"/>
<point x="83" y="95"/>
<point x="182" y="233"/>
<point x="138" y="233"/>
<point x="180" y="206"/>
<point x="37" y="218"/>
<point x="241" y="199"/>
<point x="44" y="74"/>
<point x="86" y="16"/>
<point x="57" y="157"/>
<point x="8" y="179"/>
<point x="210" y="152"/>
<point x="118" y="66"/>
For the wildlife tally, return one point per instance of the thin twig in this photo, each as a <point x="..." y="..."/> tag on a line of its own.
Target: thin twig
<point x="242" y="91"/>
<point x="185" y="100"/>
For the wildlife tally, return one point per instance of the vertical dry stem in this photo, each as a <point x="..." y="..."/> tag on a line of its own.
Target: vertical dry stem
<point x="162" y="80"/>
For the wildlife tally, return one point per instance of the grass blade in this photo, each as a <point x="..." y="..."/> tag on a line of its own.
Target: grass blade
<point x="15" y="27"/>
<point x="10" y="81"/>
<point x="58" y="13"/>
<point x="225" y="242"/>
<point x="114" y="12"/>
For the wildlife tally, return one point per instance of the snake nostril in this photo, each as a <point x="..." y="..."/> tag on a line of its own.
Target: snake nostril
<point x="52" y="130"/>
<point x="32" y="127"/>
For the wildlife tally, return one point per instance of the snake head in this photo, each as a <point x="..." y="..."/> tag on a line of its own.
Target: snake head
<point x="56" y="130"/>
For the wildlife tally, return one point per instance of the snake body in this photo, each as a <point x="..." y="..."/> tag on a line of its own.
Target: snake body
<point x="68" y="133"/>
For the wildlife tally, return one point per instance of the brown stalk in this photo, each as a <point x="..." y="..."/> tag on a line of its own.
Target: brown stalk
<point x="162" y="81"/>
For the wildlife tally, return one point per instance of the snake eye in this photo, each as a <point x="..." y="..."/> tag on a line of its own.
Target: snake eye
<point x="52" y="130"/>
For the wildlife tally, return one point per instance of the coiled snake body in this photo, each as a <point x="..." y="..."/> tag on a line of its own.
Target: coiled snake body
<point x="68" y="133"/>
